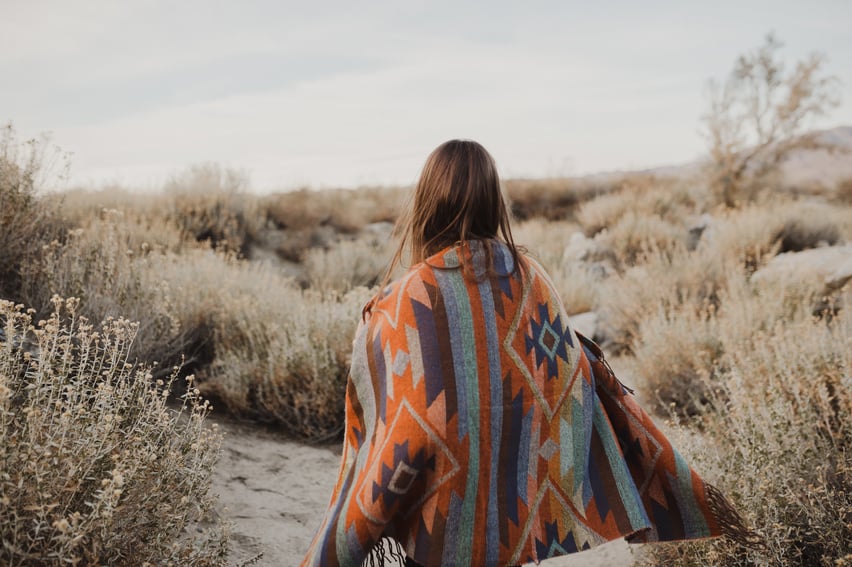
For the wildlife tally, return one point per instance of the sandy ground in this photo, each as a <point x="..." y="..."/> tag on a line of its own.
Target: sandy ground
<point x="275" y="491"/>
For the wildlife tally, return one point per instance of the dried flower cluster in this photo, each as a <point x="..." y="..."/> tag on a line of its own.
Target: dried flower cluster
<point x="96" y="467"/>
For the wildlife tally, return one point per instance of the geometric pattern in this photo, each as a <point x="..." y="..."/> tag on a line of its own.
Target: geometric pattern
<point x="482" y="430"/>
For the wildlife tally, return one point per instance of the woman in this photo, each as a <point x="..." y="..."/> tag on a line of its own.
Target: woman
<point x="481" y="430"/>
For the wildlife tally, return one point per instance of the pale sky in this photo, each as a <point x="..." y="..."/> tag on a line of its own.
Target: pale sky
<point x="351" y="93"/>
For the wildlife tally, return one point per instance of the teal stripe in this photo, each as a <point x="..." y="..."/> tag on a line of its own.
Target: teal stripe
<point x="566" y="448"/>
<point x="624" y="482"/>
<point x="694" y="522"/>
<point x="581" y="449"/>
<point x="492" y="547"/>
<point x="465" y="541"/>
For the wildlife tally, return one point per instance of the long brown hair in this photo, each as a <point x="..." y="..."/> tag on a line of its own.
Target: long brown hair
<point x="457" y="199"/>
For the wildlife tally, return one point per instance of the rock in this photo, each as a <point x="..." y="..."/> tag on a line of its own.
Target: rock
<point x="831" y="265"/>
<point x="598" y="256"/>
<point x="698" y="230"/>
<point x="586" y="323"/>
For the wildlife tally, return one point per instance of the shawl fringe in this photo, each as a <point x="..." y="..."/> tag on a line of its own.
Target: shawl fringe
<point x="730" y="521"/>
<point x="385" y="550"/>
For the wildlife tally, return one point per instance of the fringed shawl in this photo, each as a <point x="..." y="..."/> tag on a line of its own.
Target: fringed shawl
<point x="481" y="430"/>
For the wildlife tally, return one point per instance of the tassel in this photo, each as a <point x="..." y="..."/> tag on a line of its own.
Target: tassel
<point x="729" y="520"/>
<point x="385" y="550"/>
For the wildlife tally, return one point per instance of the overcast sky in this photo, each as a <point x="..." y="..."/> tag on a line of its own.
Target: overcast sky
<point x="352" y="93"/>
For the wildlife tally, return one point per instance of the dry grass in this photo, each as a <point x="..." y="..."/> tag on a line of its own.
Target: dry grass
<point x="26" y="222"/>
<point x="97" y="468"/>
<point x="349" y="264"/>
<point x="779" y="437"/>
<point x="346" y="211"/>
<point x="644" y="196"/>
<point x="843" y="193"/>
<point x="549" y="242"/>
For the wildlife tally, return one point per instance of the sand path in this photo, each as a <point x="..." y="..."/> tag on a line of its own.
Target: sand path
<point x="276" y="490"/>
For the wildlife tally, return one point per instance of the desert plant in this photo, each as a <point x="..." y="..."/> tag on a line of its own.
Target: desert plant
<point x="343" y="210"/>
<point x="549" y="199"/>
<point x="760" y="115"/>
<point x="676" y="357"/>
<point x="634" y="236"/>
<point x="779" y="440"/>
<point x="95" y="466"/>
<point x="282" y="354"/>
<point x="643" y="195"/>
<point x="347" y="265"/>
<point x="209" y="204"/>
<point x="114" y="274"/>
<point x="843" y="193"/>
<point x="26" y="223"/>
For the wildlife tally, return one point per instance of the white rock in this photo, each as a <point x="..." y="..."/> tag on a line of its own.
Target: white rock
<point x="832" y="265"/>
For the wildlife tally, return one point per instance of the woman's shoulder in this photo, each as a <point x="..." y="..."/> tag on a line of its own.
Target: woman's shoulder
<point x="399" y="288"/>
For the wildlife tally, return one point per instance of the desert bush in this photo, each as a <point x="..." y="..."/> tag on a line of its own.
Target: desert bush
<point x="641" y="195"/>
<point x="263" y="348"/>
<point x="780" y="438"/>
<point x="759" y="116"/>
<point x="26" y="223"/>
<point x="549" y="199"/>
<point x="96" y="467"/>
<point x="661" y="285"/>
<point x="843" y="193"/>
<point x="345" y="211"/>
<point x="676" y="357"/>
<point x="209" y="204"/>
<point x="347" y="265"/>
<point x="79" y="206"/>
<point x="578" y="286"/>
<point x="115" y="273"/>
<point x="283" y="357"/>
<point x="545" y="240"/>
<point x="634" y="236"/>
<point x="736" y="244"/>
<point x="576" y="280"/>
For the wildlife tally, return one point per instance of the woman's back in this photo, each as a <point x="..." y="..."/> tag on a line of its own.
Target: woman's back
<point x="480" y="429"/>
<point x="475" y="434"/>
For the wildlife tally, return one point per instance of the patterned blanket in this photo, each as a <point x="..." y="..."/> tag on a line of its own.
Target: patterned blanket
<point x="482" y="430"/>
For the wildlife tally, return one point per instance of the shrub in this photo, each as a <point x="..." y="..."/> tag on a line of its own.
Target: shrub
<point x="677" y="357"/>
<point x="96" y="467"/>
<point x="662" y="284"/>
<point x="26" y="223"/>
<point x="549" y="199"/>
<point x="209" y="204"/>
<point x="843" y="193"/>
<point x="643" y="196"/>
<point x="780" y="439"/>
<point x="545" y="240"/>
<point x="576" y="281"/>
<point x="812" y="225"/>
<point x="577" y="284"/>
<point x="115" y="275"/>
<point x="758" y="117"/>
<point x="347" y="265"/>
<point x="283" y="357"/>
<point x="343" y="210"/>
<point x="633" y="237"/>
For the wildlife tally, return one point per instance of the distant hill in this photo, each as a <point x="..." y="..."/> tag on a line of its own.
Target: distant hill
<point x="804" y="167"/>
<point x="823" y="166"/>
